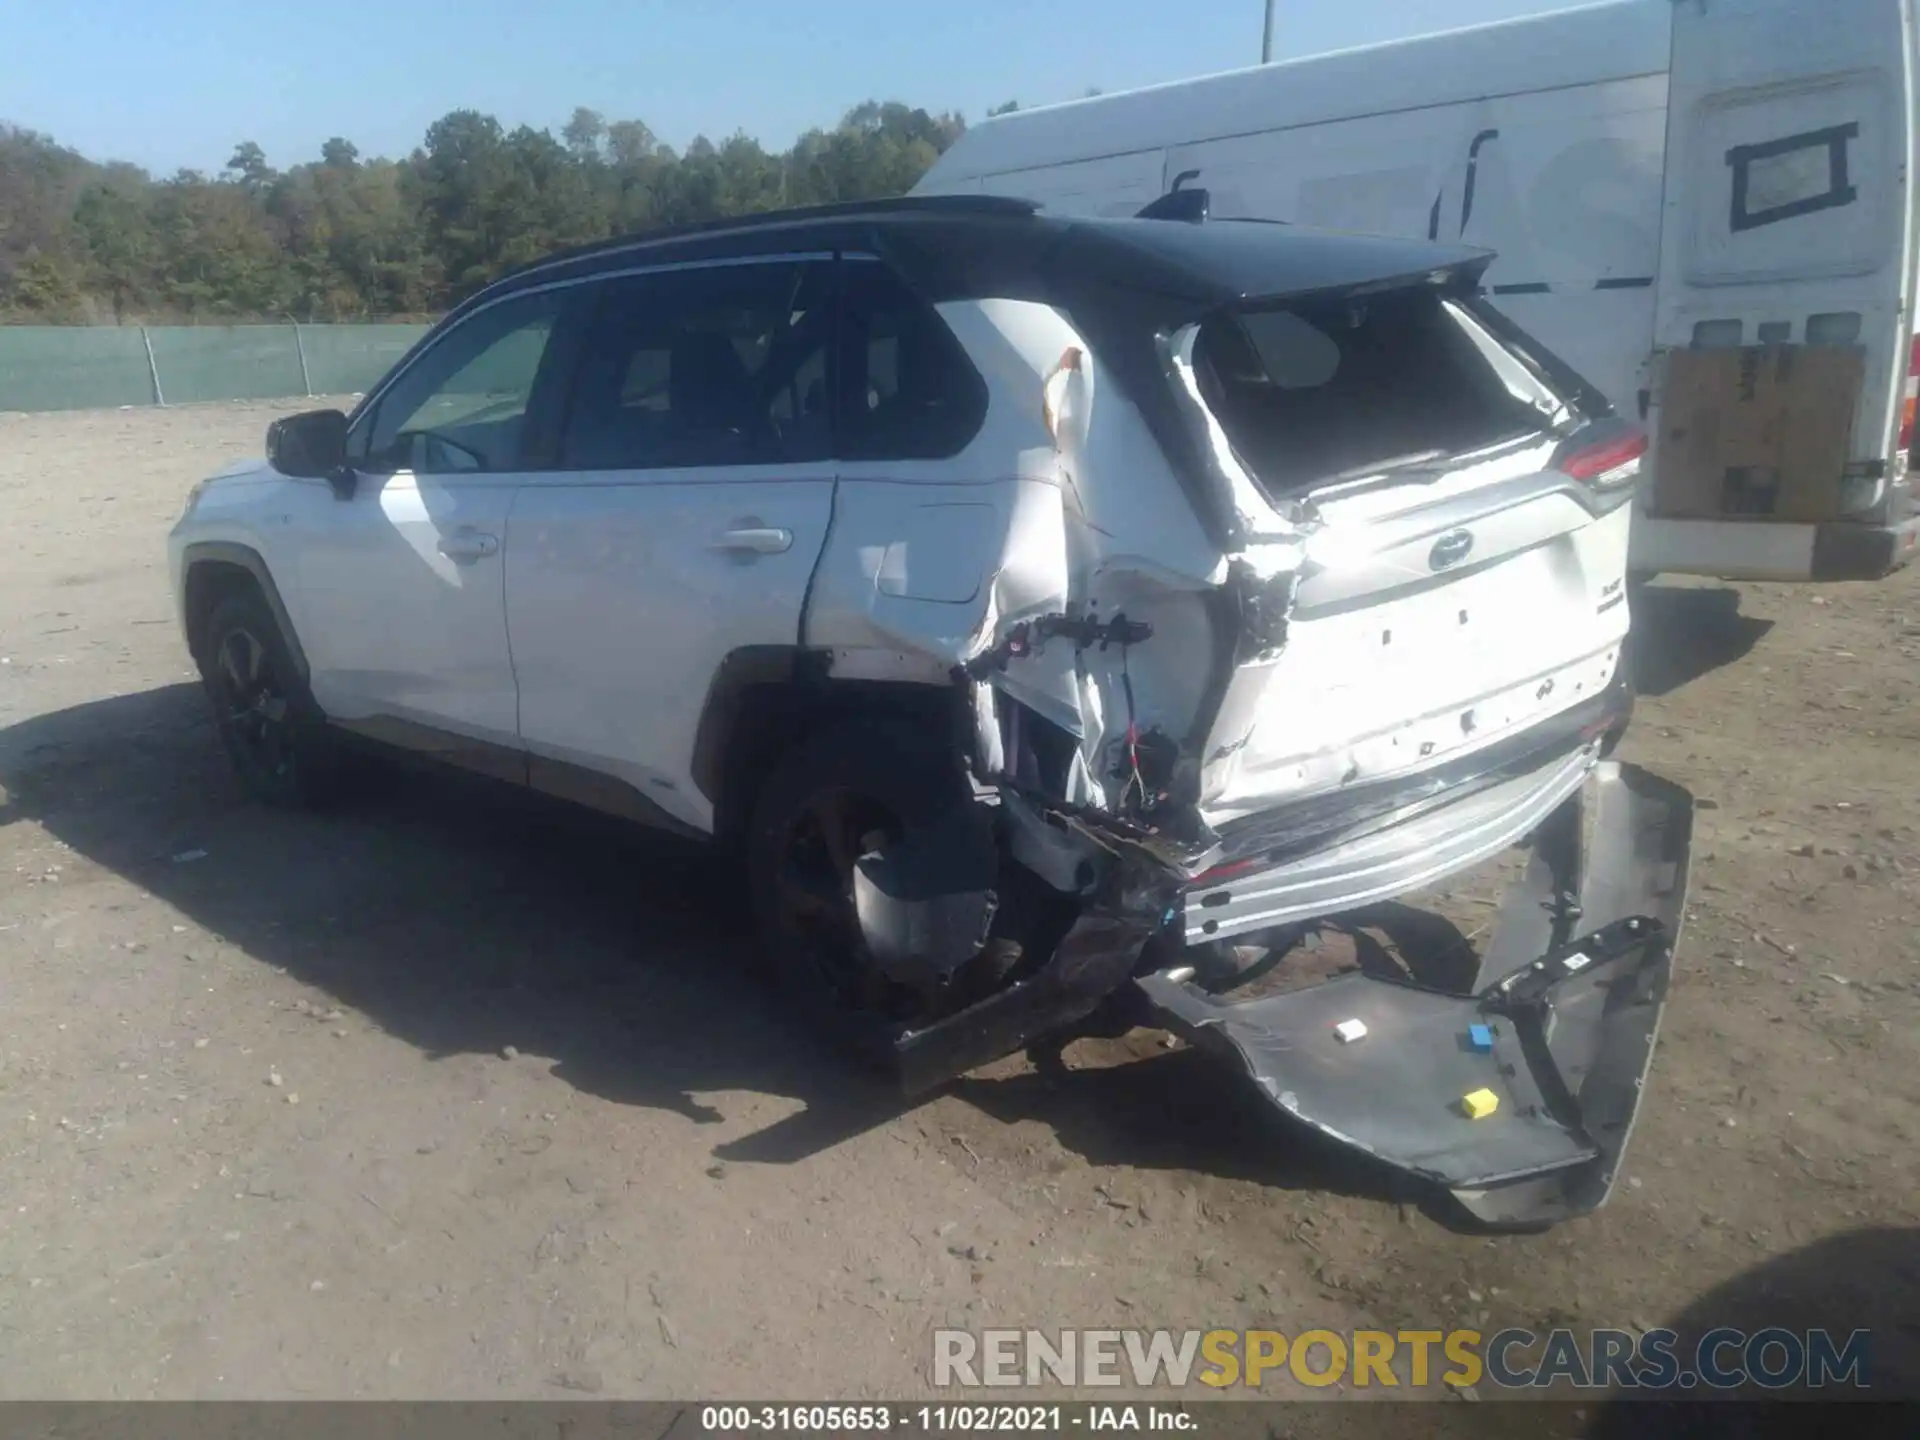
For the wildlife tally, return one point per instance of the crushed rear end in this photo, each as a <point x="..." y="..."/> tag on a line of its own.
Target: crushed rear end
<point x="1515" y="1091"/>
<point x="1313" y="596"/>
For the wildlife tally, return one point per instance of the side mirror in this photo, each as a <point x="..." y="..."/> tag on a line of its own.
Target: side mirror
<point x="312" y="446"/>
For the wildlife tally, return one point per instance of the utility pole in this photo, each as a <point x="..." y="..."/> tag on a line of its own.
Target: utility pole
<point x="1266" y="37"/>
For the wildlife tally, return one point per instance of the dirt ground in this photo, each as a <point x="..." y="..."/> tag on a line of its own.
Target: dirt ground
<point x="454" y="1094"/>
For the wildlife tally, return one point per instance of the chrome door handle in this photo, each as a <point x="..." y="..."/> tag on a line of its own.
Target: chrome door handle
<point x="467" y="547"/>
<point x="756" y="540"/>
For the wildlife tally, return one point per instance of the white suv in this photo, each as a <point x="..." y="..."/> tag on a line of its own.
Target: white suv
<point x="1037" y="605"/>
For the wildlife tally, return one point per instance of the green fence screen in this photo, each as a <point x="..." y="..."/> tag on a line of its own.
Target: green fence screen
<point x="346" y="359"/>
<point x="60" y="367"/>
<point x="226" y="362"/>
<point x="46" y="367"/>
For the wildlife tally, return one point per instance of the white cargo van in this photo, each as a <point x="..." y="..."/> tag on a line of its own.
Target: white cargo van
<point x="1707" y="207"/>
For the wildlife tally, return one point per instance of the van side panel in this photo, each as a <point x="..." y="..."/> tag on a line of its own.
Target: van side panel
<point x="1564" y="185"/>
<point x="1569" y="48"/>
<point x="1117" y="185"/>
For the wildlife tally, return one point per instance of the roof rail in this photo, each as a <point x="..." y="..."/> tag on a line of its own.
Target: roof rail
<point x="840" y="210"/>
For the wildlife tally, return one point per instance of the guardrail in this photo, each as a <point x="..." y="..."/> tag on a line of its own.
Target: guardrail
<point x="74" y="367"/>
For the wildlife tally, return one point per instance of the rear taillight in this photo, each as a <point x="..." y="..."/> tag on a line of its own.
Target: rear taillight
<point x="1056" y="390"/>
<point x="1913" y="395"/>
<point x="1605" y="464"/>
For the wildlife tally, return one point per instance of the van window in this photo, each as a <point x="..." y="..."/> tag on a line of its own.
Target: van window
<point x="1310" y="391"/>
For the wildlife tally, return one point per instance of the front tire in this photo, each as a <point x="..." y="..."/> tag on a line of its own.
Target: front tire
<point x="265" y="716"/>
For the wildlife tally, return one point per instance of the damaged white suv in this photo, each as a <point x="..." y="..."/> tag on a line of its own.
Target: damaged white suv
<point x="1037" y="605"/>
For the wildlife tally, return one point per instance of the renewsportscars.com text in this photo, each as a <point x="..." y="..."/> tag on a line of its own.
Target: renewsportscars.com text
<point x="1722" y="1359"/>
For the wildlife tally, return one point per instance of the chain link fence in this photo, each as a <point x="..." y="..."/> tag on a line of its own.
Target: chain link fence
<point x="62" y="367"/>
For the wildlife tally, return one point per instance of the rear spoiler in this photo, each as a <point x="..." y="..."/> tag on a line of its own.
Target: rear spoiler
<point x="1459" y="278"/>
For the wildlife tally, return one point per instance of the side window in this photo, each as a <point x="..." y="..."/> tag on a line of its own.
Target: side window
<point x="725" y="365"/>
<point x="461" y="408"/>
<point x="909" y="391"/>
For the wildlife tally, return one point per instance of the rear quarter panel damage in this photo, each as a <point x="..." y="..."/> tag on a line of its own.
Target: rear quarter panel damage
<point x="1007" y="574"/>
<point x="1093" y="524"/>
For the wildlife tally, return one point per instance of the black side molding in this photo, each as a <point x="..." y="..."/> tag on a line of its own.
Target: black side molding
<point x="561" y="779"/>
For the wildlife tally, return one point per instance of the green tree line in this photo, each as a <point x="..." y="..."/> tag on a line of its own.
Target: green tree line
<point x="346" y="238"/>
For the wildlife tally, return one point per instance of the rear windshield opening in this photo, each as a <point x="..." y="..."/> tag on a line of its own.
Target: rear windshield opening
<point x="1342" y="387"/>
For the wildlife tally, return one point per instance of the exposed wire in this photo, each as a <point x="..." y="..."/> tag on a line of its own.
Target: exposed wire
<point x="1134" y="777"/>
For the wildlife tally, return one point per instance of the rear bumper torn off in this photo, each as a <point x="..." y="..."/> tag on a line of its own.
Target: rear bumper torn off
<point x="1570" y="989"/>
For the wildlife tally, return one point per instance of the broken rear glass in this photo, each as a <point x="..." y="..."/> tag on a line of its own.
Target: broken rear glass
<point x="1314" y="390"/>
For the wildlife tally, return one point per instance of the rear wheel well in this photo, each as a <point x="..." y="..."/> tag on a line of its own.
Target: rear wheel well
<point x="752" y="725"/>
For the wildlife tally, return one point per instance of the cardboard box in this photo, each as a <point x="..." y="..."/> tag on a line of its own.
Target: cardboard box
<point x="1758" y="433"/>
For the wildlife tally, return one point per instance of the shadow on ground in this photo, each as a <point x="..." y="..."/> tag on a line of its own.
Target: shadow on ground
<point x="1865" y="1280"/>
<point x="1681" y="634"/>
<point x="463" y="916"/>
<point x="1187" y="1111"/>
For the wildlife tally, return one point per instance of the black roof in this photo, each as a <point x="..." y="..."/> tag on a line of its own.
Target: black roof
<point x="765" y="220"/>
<point x="975" y="246"/>
<point x="1220" y="261"/>
<point x="1122" y="280"/>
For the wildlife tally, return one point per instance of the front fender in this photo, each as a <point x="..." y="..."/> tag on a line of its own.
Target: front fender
<point x="232" y="552"/>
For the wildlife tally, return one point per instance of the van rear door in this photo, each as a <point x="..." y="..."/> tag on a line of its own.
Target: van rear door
<point x="1784" y="313"/>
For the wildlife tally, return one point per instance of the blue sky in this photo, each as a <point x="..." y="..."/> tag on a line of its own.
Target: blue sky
<point x="172" y="83"/>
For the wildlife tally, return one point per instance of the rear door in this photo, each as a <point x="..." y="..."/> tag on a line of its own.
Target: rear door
<point x="694" y="493"/>
<point x="1788" y="222"/>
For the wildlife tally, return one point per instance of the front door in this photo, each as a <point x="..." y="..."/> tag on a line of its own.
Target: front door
<point x="401" y="586"/>
<point x="693" y="492"/>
